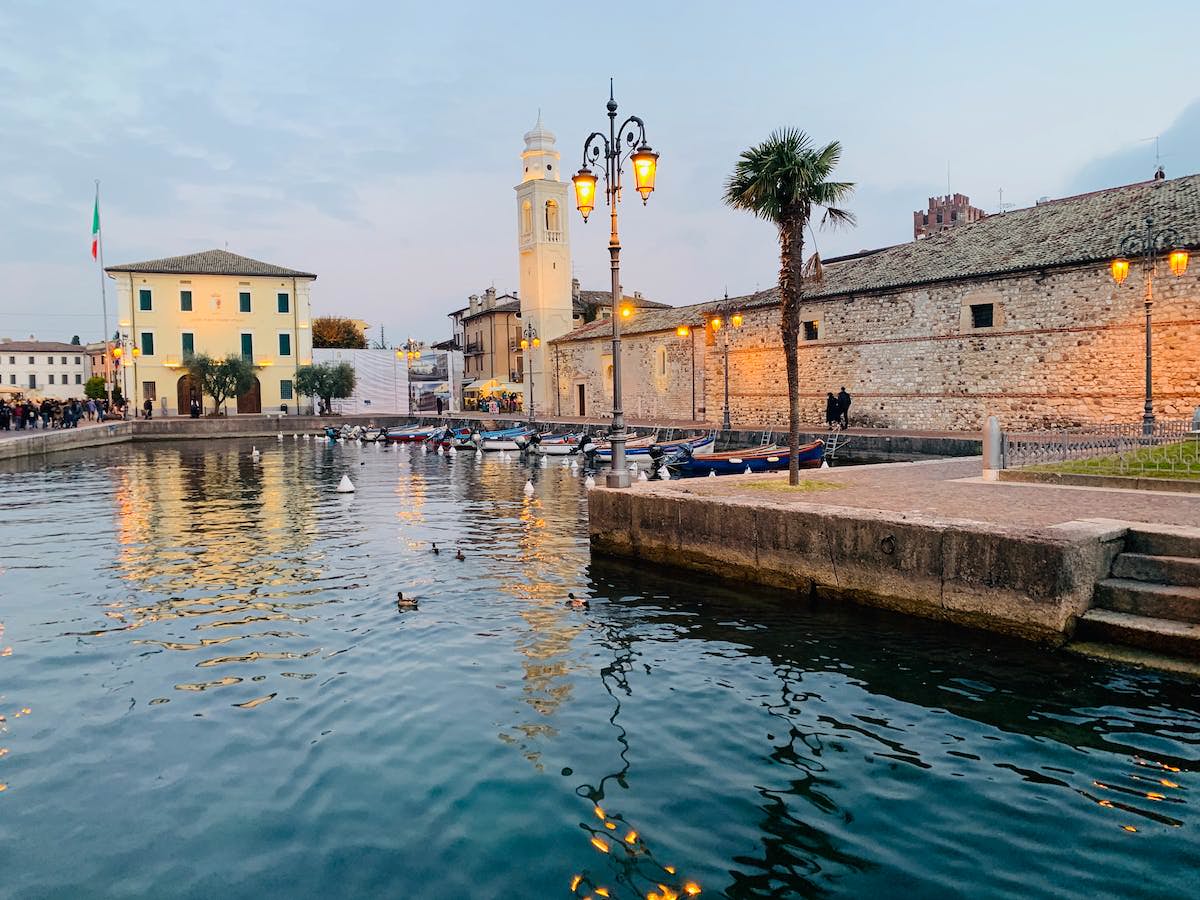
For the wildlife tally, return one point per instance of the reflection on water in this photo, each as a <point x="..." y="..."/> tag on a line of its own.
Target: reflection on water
<point x="212" y="647"/>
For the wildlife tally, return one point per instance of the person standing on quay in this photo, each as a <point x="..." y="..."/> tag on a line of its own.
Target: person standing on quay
<point x="843" y="401"/>
<point x="833" y="410"/>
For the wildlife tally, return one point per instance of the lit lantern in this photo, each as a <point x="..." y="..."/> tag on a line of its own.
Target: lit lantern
<point x="1120" y="269"/>
<point x="524" y="344"/>
<point x="585" y="191"/>
<point x="137" y="351"/>
<point x="645" y="166"/>
<point x="626" y="310"/>
<point x="117" y="352"/>
<point x="399" y="354"/>
<point x="1178" y="260"/>
<point x="537" y="342"/>
<point x="716" y="323"/>
<point x="683" y="331"/>
<point x="736" y="320"/>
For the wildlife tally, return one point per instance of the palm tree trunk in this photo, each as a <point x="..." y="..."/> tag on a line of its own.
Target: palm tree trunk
<point x="791" y="265"/>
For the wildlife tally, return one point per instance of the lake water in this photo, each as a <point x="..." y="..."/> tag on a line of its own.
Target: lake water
<point x="211" y="692"/>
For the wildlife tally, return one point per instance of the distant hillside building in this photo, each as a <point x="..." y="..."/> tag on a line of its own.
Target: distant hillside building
<point x="943" y="213"/>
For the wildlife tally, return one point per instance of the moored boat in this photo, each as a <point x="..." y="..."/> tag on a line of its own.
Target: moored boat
<point x="639" y="449"/>
<point x="550" y="444"/>
<point x="504" y="439"/>
<point x="736" y="462"/>
<point x="408" y="434"/>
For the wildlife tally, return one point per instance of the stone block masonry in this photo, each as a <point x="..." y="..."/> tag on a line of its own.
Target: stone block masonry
<point x="1064" y="347"/>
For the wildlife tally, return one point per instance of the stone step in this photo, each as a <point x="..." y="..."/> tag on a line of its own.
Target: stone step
<point x="1132" y="656"/>
<point x="1141" y="598"/>
<point x="1164" y="541"/>
<point x="1181" y="570"/>
<point x="1180" y="639"/>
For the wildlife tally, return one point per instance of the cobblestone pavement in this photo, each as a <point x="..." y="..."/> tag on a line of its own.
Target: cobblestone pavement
<point x="953" y="489"/>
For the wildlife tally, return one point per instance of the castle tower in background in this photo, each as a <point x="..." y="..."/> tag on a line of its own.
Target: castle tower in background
<point x="945" y="212"/>
<point x="545" y="261"/>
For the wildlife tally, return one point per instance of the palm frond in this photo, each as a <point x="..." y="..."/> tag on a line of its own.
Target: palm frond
<point x="813" y="270"/>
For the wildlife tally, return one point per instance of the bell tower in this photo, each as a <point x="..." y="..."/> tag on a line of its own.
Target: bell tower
<point x="545" y="263"/>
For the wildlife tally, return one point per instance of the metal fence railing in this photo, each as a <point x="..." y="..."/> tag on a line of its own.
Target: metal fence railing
<point x="1170" y="448"/>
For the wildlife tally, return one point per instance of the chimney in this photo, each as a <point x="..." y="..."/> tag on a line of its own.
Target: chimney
<point x="474" y="298"/>
<point x="489" y="298"/>
<point x="574" y="289"/>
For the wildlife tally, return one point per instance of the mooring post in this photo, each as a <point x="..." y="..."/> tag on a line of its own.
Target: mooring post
<point x="992" y="461"/>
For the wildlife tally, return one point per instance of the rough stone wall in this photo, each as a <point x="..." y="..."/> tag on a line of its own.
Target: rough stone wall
<point x="657" y="374"/>
<point x="1066" y="348"/>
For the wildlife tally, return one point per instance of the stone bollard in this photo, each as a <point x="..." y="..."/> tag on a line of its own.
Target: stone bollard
<point x="992" y="443"/>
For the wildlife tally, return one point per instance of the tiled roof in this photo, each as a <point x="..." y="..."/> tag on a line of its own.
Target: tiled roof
<point x="40" y="347"/>
<point x="509" y="306"/>
<point x="1088" y="228"/>
<point x="588" y="299"/>
<point x="209" y="262"/>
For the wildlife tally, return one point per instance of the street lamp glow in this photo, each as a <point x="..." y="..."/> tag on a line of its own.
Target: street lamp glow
<point x="626" y="310"/>
<point x="736" y="320"/>
<point x="1178" y="261"/>
<point x="715" y="323"/>
<point x="683" y="331"/>
<point x="585" y="191"/>
<point x="1120" y="270"/>
<point x="137" y="351"/>
<point x="645" y="167"/>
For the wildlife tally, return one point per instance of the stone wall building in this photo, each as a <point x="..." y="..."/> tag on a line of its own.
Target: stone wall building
<point x="1014" y="315"/>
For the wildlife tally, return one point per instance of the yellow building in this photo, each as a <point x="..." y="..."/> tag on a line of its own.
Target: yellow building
<point x="216" y="303"/>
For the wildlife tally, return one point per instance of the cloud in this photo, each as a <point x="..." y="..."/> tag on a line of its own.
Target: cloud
<point x="1179" y="145"/>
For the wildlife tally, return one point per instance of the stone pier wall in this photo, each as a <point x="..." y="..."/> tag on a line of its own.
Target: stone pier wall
<point x="1032" y="584"/>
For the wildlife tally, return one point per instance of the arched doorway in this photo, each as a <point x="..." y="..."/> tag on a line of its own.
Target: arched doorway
<point x="185" y="390"/>
<point x="251" y="401"/>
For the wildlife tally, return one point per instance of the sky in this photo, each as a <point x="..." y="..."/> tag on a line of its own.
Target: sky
<point x="378" y="144"/>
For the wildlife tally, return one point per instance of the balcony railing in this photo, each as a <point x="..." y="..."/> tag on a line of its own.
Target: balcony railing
<point x="473" y="346"/>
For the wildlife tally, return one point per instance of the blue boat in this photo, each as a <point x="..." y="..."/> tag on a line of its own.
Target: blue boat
<point x="737" y="462"/>
<point x="645" y="451"/>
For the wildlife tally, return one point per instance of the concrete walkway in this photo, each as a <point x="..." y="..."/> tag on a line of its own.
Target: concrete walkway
<point x="953" y="489"/>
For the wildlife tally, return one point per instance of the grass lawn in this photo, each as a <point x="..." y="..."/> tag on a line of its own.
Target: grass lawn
<point x="1180" y="460"/>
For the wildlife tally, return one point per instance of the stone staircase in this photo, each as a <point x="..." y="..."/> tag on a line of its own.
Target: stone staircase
<point x="1150" y="604"/>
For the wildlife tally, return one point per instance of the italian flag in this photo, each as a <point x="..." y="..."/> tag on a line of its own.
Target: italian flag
<point x="96" y="226"/>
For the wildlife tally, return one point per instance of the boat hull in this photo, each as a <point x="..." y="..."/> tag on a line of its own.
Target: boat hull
<point x="641" y="453"/>
<point x="810" y="457"/>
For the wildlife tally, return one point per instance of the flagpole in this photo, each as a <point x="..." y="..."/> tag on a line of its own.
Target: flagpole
<point x="103" y="294"/>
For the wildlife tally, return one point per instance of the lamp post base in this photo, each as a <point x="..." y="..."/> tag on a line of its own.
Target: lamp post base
<point x="616" y="479"/>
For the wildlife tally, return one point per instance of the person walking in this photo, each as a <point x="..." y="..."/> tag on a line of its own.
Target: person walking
<point x="833" y="411"/>
<point x="843" y="400"/>
<point x="148" y="408"/>
<point x="439" y="406"/>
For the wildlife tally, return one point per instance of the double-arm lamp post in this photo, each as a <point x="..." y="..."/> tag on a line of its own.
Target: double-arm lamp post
<point x="529" y="338"/>
<point x="410" y="351"/>
<point x="1147" y="244"/>
<point x="645" y="164"/>
<point x="718" y="322"/>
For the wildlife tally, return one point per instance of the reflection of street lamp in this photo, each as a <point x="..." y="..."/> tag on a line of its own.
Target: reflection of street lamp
<point x="409" y="352"/>
<point x="716" y="323"/>
<point x="645" y="165"/>
<point x="1148" y="244"/>
<point x="529" y="339"/>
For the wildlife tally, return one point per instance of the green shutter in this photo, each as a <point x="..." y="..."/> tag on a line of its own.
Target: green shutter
<point x="248" y="347"/>
<point x="285" y="345"/>
<point x="144" y="299"/>
<point x="244" y="301"/>
<point x="283" y="303"/>
<point x="189" y="343"/>
<point x="285" y="389"/>
<point x="147" y="344"/>
<point x="185" y="301"/>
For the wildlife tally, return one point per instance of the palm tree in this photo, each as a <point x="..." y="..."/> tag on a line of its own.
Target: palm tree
<point x="784" y="180"/>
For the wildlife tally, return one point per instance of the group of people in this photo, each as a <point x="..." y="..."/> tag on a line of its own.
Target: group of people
<point x="504" y="402"/>
<point x="22" y="414"/>
<point x="837" y="409"/>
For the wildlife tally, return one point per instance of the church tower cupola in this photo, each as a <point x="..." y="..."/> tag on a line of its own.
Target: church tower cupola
<point x="540" y="158"/>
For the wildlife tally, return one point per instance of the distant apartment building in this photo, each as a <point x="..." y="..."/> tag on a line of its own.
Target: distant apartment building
<point x="945" y="212"/>
<point x="101" y="361"/>
<point x="44" y="368"/>
<point x="217" y="303"/>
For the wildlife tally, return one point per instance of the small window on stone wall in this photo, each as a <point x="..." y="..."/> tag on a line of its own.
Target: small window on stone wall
<point x="660" y="362"/>
<point x="982" y="315"/>
<point x="812" y="330"/>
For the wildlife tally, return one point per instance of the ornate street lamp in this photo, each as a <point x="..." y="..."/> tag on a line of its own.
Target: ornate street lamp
<point x="529" y="338"/>
<point x="1148" y="245"/>
<point x="409" y="351"/>
<point x="645" y="167"/>
<point x="717" y="323"/>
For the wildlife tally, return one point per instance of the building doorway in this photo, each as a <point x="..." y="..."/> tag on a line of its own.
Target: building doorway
<point x="582" y="398"/>
<point x="251" y="401"/>
<point x="185" y="390"/>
